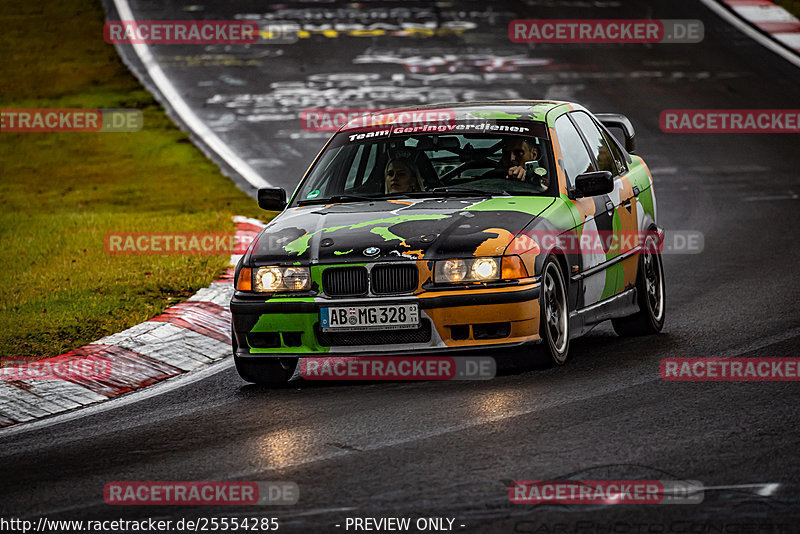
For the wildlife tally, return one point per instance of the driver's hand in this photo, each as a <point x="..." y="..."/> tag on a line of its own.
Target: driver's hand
<point x="516" y="173"/>
<point x="543" y="183"/>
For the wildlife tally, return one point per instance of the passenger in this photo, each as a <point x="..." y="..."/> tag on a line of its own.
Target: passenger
<point x="402" y="176"/>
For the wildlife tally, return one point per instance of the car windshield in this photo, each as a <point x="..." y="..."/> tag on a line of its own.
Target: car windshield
<point x="362" y="167"/>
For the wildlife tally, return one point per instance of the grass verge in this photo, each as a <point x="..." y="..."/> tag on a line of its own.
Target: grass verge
<point x="61" y="193"/>
<point x="792" y="6"/>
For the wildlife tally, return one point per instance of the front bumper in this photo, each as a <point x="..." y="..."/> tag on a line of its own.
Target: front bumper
<point x="452" y="321"/>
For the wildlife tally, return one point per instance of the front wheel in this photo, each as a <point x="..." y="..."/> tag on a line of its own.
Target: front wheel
<point x="554" y="313"/>
<point x="650" y="289"/>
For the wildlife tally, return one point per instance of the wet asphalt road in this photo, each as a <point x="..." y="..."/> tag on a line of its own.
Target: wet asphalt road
<point x="450" y="449"/>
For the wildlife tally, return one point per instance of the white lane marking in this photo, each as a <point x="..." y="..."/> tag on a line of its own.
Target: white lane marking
<point x="765" y="490"/>
<point x="790" y="196"/>
<point x="563" y="91"/>
<point x="729" y="169"/>
<point x="183" y="110"/>
<point x="768" y="489"/>
<point x="703" y="168"/>
<point x="165" y="386"/>
<point x="751" y="32"/>
<point x="663" y="170"/>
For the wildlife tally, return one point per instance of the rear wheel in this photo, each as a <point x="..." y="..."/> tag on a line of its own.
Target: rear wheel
<point x="554" y="317"/>
<point x="650" y="289"/>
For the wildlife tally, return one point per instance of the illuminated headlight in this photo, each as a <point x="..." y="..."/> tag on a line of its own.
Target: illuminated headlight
<point x="485" y="269"/>
<point x="466" y="270"/>
<point x="272" y="279"/>
<point x="451" y="271"/>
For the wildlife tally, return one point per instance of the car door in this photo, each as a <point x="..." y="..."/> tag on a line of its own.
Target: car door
<point x="623" y="217"/>
<point x="592" y="216"/>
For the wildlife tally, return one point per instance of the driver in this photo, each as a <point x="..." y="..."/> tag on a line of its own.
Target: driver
<point x="516" y="152"/>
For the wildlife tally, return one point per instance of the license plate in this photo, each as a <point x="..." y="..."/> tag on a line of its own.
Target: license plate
<point x="352" y="318"/>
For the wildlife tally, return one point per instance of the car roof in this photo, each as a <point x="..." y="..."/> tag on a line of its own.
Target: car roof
<point x="521" y="110"/>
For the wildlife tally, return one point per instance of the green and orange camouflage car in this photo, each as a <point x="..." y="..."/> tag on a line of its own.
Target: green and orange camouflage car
<point x="451" y="228"/>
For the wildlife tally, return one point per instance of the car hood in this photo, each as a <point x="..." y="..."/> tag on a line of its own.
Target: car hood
<point x="395" y="229"/>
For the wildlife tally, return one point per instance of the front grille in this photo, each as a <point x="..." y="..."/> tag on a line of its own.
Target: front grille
<point x="376" y="337"/>
<point x="345" y="281"/>
<point x="393" y="279"/>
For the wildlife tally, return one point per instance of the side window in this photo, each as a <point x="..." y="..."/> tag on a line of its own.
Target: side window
<point x="597" y="144"/>
<point x="616" y="152"/>
<point x="576" y="158"/>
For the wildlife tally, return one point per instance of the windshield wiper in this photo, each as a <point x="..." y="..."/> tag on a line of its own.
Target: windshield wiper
<point x="336" y="198"/>
<point x="466" y="191"/>
<point x="436" y="191"/>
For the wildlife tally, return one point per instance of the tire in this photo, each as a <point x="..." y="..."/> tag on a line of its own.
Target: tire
<point x="650" y="294"/>
<point x="274" y="372"/>
<point x="554" y="314"/>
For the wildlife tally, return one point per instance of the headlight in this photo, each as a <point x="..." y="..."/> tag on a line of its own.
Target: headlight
<point x="466" y="270"/>
<point x="453" y="271"/>
<point x="484" y="269"/>
<point x="273" y="279"/>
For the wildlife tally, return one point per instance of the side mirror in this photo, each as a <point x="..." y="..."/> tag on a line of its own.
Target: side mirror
<point x="614" y="120"/>
<point x="592" y="184"/>
<point x="271" y="198"/>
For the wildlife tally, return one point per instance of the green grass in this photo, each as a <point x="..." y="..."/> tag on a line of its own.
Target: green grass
<point x="61" y="193"/>
<point x="792" y="6"/>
